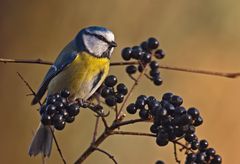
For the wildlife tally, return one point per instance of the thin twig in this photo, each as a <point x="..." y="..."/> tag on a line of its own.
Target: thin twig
<point x="29" y="87"/>
<point x="102" y="137"/>
<point x="55" y="140"/>
<point x="182" y="145"/>
<point x="206" y="72"/>
<point x="175" y="153"/>
<point x="132" y="133"/>
<point x="128" y="122"/>
<point x="92" y="147"/>
<point x="104" y="122"/>
<point x="131" y="90"/>
<point x="26" y="61"/>
<point x="44" y="159"/>
<point x="95" y="129"/>
<point x="124" y="63"/>
<point x="147" y="76"/>
<point x="104" y="152"/>
<point x="131" y="77"/>
<point x="57" y="145"/>
<point x="116" y="111"/>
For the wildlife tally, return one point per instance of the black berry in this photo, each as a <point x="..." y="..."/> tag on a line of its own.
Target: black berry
<point x="111" y="81"/>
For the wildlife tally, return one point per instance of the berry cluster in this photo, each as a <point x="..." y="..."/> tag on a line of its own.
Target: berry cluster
<point x="204" y="154"/>
<point x="171" y="122"/>
<point x="112" y="94"/>
<point x="58" y="110"/>
<point x="143" y="53"/>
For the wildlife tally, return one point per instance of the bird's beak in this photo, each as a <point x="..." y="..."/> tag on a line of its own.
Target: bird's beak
<point x="113" y="44"/>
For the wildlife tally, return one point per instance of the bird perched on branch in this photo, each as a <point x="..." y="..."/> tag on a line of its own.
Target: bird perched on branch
<point x="81" y="68"/>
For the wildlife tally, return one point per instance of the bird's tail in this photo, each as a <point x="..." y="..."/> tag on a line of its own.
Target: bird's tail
<point x="42" y="141"/>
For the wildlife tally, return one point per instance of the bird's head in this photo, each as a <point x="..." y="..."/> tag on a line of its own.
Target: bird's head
<point x="96" y="40"/>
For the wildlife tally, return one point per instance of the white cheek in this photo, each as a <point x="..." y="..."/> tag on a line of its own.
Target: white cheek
<point x="94" y="45"/>
<point x="111" y="51"/>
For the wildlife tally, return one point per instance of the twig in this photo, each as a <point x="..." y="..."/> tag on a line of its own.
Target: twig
<point x="57" y="145"/>
<point x="92" y="147"/>
<point x="147" y="76"/>
<point x="131" y="90"/>
<point x="95" y="129"/>
<point x="26" y="61"/>
<point x="124" y="63"/>
<point x="44" y="159"/>
<point x="116" y="111"/>
<point x="182" y="145"/>
<point x="102" y="137"/>
<point x="206" y="72"/>
<point x="29" y="87"/>
<point x="131" y="77"/>
<point x="104" y="152"/>
<point x="55" y="140"/>
<point x="104" y="122"/>
<point x="175" y="153"/>
<point x="119" y="124"/>
<point x="133" y="133"/>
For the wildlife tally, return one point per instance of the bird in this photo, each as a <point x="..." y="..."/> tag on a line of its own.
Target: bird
<point x="81" y="68"/>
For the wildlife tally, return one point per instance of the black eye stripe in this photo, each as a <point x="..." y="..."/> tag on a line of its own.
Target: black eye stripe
<point x="100" y="37"/>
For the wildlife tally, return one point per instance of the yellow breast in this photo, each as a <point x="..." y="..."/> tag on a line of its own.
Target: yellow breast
<point x="80" y="76"/>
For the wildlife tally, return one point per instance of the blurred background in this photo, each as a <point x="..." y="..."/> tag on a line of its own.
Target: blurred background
<point x="195" y="34"/>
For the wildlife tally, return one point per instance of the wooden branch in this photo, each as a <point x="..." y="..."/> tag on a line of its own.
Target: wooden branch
<point x="29" y="87"/>
<point x="57" y="145"/>
<point x="131" y="90"/>
<point x="26" y="61"/>
<point x="175" y="153"/>
<point x="108" y="154"/>
<point x="132" y="133"/>
<point x="174" y="68"/>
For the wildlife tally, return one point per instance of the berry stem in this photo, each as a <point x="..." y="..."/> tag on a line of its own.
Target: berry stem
<point x="175" y="153"/>
<point x="109" y="155"/>
<point x="131" y="90"/>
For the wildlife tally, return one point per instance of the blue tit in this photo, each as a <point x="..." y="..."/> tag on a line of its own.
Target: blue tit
<point x="81" y="68"/>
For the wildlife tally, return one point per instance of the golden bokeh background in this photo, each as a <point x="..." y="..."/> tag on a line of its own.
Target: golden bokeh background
<point x="195" y="34"/>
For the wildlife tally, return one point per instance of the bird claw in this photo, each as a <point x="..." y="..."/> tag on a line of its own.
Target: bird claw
<point x="100" y="112"/>
<point x="98" y="109"/>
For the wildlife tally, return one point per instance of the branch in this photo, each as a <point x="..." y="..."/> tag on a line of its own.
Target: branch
<point x="132" y="133"/>
<point x="92" y="147"/>
<point x="130" y="91"/>
<point x="175" y="153"/>
<point x="102" y="137"/>
<point x="58" y="147"/>
<point x="95" y="129"/>
<point x="182" y="145"/>
<point x="176" y="142"/>
<point x="26" y="61"/>
<point x="55" y="139"/>
<point x="104" y="152"/>
<point x="118" y="124"/>
<point x="206" y="72"/>
<point x="29" y="87"/>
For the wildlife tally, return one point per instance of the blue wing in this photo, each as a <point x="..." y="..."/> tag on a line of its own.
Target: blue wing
<point x="66" y="57"/>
